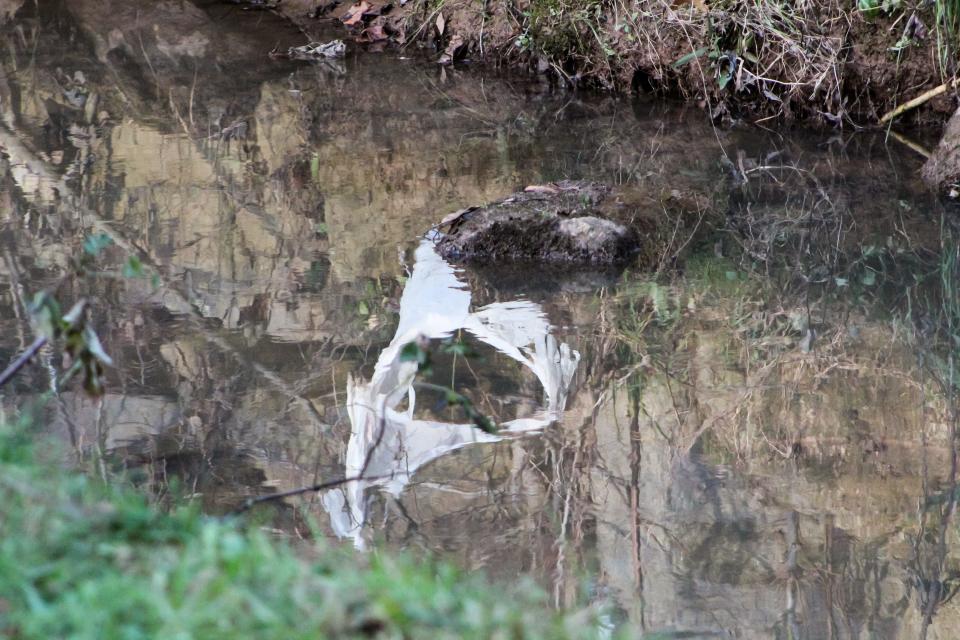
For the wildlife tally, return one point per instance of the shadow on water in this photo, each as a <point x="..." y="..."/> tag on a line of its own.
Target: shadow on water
<point x="757" y="442"/>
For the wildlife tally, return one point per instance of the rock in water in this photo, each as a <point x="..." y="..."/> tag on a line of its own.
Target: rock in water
<point x="558" y="223"/>
<point x="942" y="170"/>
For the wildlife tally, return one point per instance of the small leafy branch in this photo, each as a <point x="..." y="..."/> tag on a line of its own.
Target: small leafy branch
<point x="82" y="349"/>
<point x="83" y="352"/>
<point x="419" y="352"/>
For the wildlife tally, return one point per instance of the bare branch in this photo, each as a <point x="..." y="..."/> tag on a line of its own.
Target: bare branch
<point x="249" y="503"/>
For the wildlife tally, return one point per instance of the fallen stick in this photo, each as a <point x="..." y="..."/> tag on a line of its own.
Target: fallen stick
<point x="919" y="100"/>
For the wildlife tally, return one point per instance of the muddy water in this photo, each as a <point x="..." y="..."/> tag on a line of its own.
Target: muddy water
<point x="704" y="457"/>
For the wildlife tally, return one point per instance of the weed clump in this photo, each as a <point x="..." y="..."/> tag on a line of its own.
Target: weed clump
<point x="836" y="62"/>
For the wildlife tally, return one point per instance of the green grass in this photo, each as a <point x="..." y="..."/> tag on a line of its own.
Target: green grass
<point x="943" y="18"/>
<point x="948" y="33"/>
<point x="81" y="559"/>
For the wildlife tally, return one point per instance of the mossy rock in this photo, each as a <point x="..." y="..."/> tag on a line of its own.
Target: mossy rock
<point x="573" y="222"/>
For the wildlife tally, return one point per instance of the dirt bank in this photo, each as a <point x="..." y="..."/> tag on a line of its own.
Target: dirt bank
<point x="824" y="62"/>
<point x="833" y="64"/>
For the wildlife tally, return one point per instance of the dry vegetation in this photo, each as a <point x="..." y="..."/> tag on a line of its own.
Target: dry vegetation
<point x="835" y="62"/>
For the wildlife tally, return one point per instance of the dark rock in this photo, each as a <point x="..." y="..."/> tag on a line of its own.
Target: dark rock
<point x="562" y="223"/>
<point x="942" y="170"/>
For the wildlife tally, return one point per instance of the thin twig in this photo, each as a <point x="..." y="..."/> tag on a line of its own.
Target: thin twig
<point x="22" y="360"/>
<point x="249" y="503"/>
<point x="71" y="318"/>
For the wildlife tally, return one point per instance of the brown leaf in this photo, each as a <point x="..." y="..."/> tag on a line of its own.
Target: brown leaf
<point x="355" y="14"/>
<point x="915" y="28"/>
<point x="541" y="188"/>
<point x="373" y="33"/>
<point x="450" y="218"/>
<point x="450" y="52"/>
<point x="378" y="10"/>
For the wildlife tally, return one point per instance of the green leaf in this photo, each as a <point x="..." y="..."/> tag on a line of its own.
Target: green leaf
<point x="693" y="55"/>
<point x="413" y="352"/>
<point x="484" y="423"/>
<point x="133" y="268"/>
<point x="457" y="348"/>
<point x="410" y="352"/>
<point x="46" y="315"/>
<point x="869" y="278"/>
<point x="95" y="347"/>
<point x="724" y="79"/>
<point x="94" y="244"/>
<point x="92" y="381"/>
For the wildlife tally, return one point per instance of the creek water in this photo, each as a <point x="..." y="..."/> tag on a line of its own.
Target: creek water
<point x="712" y="451"/>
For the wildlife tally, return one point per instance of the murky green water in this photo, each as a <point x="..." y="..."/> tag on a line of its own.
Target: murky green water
<point x="712" y="456"/>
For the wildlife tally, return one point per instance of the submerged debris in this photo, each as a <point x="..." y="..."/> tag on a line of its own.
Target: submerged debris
<point x="314" y="51"/>
<point x="258" y="5"/>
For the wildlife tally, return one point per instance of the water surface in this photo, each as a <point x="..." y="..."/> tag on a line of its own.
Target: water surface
<point x="681" y="448"/>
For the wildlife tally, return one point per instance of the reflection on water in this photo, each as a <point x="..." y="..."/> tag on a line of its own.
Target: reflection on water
<point x="737" y="464"/>
<point x="391" y="445"/>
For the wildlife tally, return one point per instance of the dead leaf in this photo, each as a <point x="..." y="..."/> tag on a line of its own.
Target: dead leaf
<point x="915" y="28"/>
<point x="699" y="5"/>
<point x="451" y="51"/>
<point x="355" y="13"/>
<point x="450" y="218"/>
<point x="441" y="23"/>
<point x="541" y="188"/>
<point x="316" y="51"/>
<point x="373" y="33"/>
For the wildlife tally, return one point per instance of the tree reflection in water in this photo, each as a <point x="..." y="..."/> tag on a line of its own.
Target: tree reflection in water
<point x="389" y="443"/>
